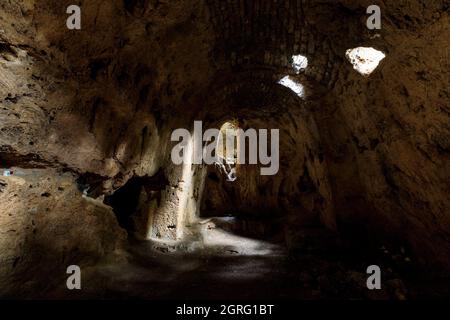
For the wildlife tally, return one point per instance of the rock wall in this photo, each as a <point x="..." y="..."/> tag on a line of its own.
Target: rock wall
<point x="387" y="141"/>
<point x="45" y="226"/>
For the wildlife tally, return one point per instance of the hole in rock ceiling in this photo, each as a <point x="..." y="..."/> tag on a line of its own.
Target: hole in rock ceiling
<point x="365" y="60"/>
<point x="296" y="87"/>
<point x="299" y="63"/>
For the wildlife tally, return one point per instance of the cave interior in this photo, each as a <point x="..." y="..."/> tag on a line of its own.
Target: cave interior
<point x="87" y="178"/>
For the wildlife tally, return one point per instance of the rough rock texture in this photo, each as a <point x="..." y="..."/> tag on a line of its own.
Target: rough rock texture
<point x="92" y="109"/>
<point x="45" y="226"/>
<point x="387" y="140"/>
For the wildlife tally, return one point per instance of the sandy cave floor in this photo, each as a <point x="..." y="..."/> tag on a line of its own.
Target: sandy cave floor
<point x="226" y="266"/>
<point x="215" y="263"/>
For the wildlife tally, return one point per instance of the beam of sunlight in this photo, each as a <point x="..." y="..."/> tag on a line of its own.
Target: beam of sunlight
<point x="214" y="238"/>
<point x="185" y="187"/>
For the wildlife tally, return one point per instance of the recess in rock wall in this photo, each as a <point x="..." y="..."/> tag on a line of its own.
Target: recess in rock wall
<point x="125" y="202"/>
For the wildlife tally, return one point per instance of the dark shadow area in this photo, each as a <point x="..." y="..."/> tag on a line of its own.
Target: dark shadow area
<point x="125" y="201"/>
